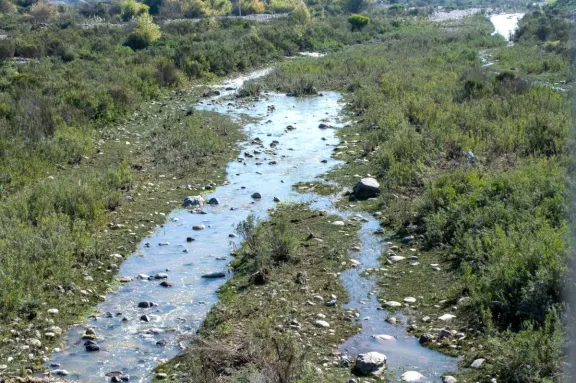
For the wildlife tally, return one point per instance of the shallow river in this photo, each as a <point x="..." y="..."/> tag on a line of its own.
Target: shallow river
<point x="135" y="347"/>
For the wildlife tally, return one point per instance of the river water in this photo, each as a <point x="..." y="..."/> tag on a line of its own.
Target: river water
<point x="135" y="346"/>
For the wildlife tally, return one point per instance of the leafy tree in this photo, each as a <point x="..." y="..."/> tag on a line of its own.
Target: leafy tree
<point x="146" y="32"/>
<point x="132" y="8"/>
<point x="6" y="6"/>
<point x="43" y="12"/>
<point x="301" y="13"/>
<point x="358" y="22"/>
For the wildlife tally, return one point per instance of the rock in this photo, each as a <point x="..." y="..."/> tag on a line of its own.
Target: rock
<point x="396" y="258"/>
<point x="411" y="376"/>
<point x="91" y="346"/>
<point x="162" y="342"/>
<point x="189" y="239"/>
<point x="276" y="199"/>
<point x="370" y="364"/>
<point x="161" y="276"/>
<point x="323" y="126"/>
<point x="366" y="188"/>
<point x="256" y="195"/>
<point x="53" y="311"/>
<point x="391" y="320"/>
<point x="384" y="337"/>
<point x="193" y="201"/>
<point x="213" y="201"/>
<point x="449" y="379"/>
<point x="321" y="323"/>
<point x="478" y="363"/>
<point x="217" y="274"/>
<point x="59" y="372"/>
<point x="408" y="239"/>
<point x="125" y="280"/>
<point x="198" y="227"/>
<point x="161" y="375"/>
<point x="145" y="305"/>
<point x="145" y="318"/>
<point x="338" y="223"/>
<point x="410" y="300"/>
<point x="426" y="319"/>
<point x="463" y="300"/>
<point x="166" y="284"/>
<point x="331" y="303"/>
<point x="447" y="317"/>
<point x="392" y="304"/>
<point x="425" y="338"/>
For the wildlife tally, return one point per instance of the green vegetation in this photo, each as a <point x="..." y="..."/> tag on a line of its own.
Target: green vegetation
<point x="89" y="146"/>
<point x="473" y="164"/>
<point x="284" y="272"/>
<point x="358" y="22"/>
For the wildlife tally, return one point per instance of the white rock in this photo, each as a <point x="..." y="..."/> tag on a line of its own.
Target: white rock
<point x="53" y="311"/>
<point x="478" y="363"/>
<point x="449" y="379"/>
<point x="411" y="376"/>
<point x="396" y="258"/>
<point x="392" y="304"/>
<point x="384" y="337"/>
<point x="338" y="223"/>
<point x="410" y="300"/>
<point x="447" y="317"/>
<point x="321" y="323"/>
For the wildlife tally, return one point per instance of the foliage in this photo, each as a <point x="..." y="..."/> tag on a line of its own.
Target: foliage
<point x="132" y="8"/>
<point x="471" y="162"/>
<point x="358" y="22"/>
<point x="7" y="6"/>
<point x="43" y="12"/>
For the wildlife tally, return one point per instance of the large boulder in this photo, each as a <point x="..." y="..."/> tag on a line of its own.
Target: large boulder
<point x="370" y="364"/>
<point x="366" y="188"/>
<point x="193" y="201"/>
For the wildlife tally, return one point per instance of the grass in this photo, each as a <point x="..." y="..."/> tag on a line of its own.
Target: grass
<point x="495" y="223"/>
<point x="282" y="273"/>
<point x="74" y="230"/>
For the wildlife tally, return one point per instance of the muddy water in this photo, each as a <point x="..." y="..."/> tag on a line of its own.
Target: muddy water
<point x="130" y="345"/>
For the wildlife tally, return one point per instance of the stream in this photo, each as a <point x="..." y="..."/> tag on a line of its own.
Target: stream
<point x="135" y="340"/>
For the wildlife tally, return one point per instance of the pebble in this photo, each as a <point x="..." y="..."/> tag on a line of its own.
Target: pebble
<point x="478" y="363"/>
<point x="410" y="300"/>
<point x="321" y="323"/>
<point x="198" y="227"/>
<point x="447" y="317"/>
<point x="392" y="304"/>
<point x="338" y="223"/>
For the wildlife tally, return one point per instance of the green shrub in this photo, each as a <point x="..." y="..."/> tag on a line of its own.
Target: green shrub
<point x="358" y="22"/>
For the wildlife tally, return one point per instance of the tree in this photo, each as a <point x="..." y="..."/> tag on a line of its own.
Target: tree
<point x="145" y="33"/>
<point x="358" y="22"/>
<point x="6" y="6"/>
<point x="300" y="13"/>
<point x="132" y="8"/>
<point x="43" y="12"/>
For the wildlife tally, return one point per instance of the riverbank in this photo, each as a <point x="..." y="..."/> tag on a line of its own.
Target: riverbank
<point x="80" y="197"/>
<point x="459" y="188"/>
